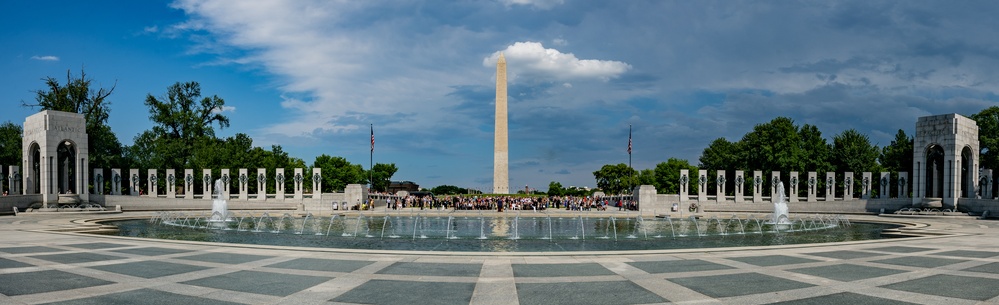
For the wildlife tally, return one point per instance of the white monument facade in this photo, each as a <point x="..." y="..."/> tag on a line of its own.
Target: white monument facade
<point x="54" y="150"/>
<point x="945" y="160"/>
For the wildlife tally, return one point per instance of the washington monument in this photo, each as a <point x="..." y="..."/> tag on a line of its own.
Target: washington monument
<point x="501" y="176"/>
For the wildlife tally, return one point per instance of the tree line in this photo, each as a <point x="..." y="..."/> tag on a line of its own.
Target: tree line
<point x="183" y="136"/>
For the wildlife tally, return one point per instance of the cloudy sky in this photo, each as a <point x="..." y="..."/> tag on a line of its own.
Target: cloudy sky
<point x="312" y="76"/>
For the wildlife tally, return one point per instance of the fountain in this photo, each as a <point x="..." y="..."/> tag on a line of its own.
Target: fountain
<point x="779" y="218"/>
<point x="220" y="207"/>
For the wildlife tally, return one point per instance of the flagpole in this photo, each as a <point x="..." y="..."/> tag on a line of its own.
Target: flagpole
<point x="371" y="158"/>
<point x="629" y="157"/>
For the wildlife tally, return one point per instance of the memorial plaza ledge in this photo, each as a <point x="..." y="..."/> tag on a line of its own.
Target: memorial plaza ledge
<point x="46" y="259"/>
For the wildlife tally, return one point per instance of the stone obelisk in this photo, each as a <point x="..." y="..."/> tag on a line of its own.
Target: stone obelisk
<point x="501" y="162"/>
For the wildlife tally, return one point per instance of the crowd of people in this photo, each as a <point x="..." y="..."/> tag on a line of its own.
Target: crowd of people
<point x="500" y="203"/>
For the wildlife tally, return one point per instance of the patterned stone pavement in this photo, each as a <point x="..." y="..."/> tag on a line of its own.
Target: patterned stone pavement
<point x="39" y="267"/>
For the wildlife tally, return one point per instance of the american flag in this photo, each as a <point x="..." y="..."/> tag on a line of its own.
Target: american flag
<point x="629" y="139"/>
<point x="373" y="138"/>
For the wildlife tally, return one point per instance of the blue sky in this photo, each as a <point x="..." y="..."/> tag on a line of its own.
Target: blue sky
<point x="312" y="75"/>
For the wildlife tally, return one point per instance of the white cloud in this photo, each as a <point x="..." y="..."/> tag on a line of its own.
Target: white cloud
<point x="45" y="58"/>
<point x="151" y="29"/>
<point x="533" y="60"/>
<point x="542" y="4"/>
<point x="224" y="109"/>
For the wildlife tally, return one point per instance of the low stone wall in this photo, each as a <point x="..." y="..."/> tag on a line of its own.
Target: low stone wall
<point x="977" y="206"/>
<point x="664" y="202"/>
<point x="22" y="202"/>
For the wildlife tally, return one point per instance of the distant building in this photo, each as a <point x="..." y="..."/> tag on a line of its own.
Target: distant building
<point x="408" y="186"/>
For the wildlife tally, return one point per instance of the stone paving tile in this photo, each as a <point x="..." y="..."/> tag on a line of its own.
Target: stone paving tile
<point x="149" y="269"/>
<point x="389" y="292"/>
<point x="969" y="253"/>
<point x="688" y="265"/>
<point x="143" y="296"/>
<point x="432" y="269"/>
<point x="224" y="258"/>
<point x="846" y="254"/>
<point x="6" y="263"/>
<point x="268" y="283"/>
<point x="32" y="249"/>
<point x="992" y="268"/>
<point x="45" y="281"/>
<point x="900" y="249"/>
<point x="720" y="286"/>
<point x="843" y="298"/>
<point x="847" y="272"/>
<point x="151" y="251"/>
<point x="962" y="287"/>
<point x="554" y="270"/>
<point x="328" y="265"/>
<point x="613" y="292"/>
<point x="772" y="260"/>
<point x="919" y="261"/>
<point x="97" y="246"/>
<point x="76" y="258"/>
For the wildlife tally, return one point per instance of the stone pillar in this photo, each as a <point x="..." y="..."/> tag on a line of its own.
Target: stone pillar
<point x="684" y="185"/>
<point x="226" y="181"/>
<point x="3" y="180"/>
<point x="261" y="184"/>
<point x="830" y="186"/>
<point x="720" y="180"/>
<point x="812" y="187"/>
<point x="702" y="185"/>
<point x="885" y="186"/>
<point x="171" y="183"/>
<point x="116" y="180"/>
<point x="279" y="183"/>
<point x="208" y="182"/>
<point x="792" y="193"/>
<point x="133" y="180"/>
<point x="757" y="186"/>
<point x="774" y="181"/>
<point x="985" y="185"/>
<point x="16" y="180"/>
<point x="848" y="186"/>
<point x="152" y="185"/>
<point x="98" y="181"/>
<point x="188" y="183"/>
<point x="243" y="180"/>
<point x="866" y="186"/>
<point x="740" y="186"/>
<point x="317" y="182"/>
<point x="355" y="194"/>
<point x="299" y="184"/>
<point x="646" y="198"/>
<point x="903" y="184"/>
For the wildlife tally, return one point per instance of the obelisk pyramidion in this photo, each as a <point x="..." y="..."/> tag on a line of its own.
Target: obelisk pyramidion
<point x="501" y="176"/>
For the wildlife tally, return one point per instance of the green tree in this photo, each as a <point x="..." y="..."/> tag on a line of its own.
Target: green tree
<point x="774" y="146"/>
<point x="721" y="155"/>
<point x="897" y="156"/>
<point x="10" y="144"/>
<point x="816" y="150"/>
<point x="615" y="179"/>
<point x="988" y="136"/>
<point x="667" y="175"/>
<point x="182" y="120"/>
<point x="338" y="173"/>
<point x="448" y="190"/>
<point x="853" y="152"/>
<point x="381" y="175"/>
<point x="555" y="189"/>
<point x="78" y="95"/>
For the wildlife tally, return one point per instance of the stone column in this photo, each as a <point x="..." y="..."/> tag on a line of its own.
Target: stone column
<point x="261" y="184"/>
<point x="848" y="186"/>
<point x="985" y="184"/>
<point x="684" y="181"/>
<point x="226" y="181"/>
<point x="209" y="184"/>
<point x="317" y="182"/>
<point x="792" y="193"/>
<point x="740" y="186"/>
<point x="299" y="184"/>
<point x="757" y="186"/>
<point x="16" y="180"/>
<point x="812" y="187"/>
<point x="702" y="185"/>
<point x="243" y="180"/>
<point x="152" y="185"/>
<point x="98" y="181"/>
<point x="133" y="180"/>
<point x="720" y="180"/>
<point x="885" y="185"/>
<point x="903" y="184"/>
<point x="646" y="198"/>
<point x="116" y="180"/>
<point x="3" y="180"/>
<point x="279" y="183"/>
<point x="830" y="186"/>
<point x="188" y="183"/>
<point x="171" y="183"/>
<point x="355" y="194"/>
<point x="774" y="181"/>
<point x="866" y="186"/>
